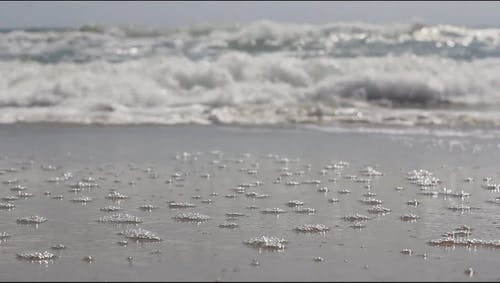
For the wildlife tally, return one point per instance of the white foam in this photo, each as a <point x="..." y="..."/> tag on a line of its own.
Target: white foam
<point x="83" y="185"/>
<point x="294" y="203"/>
<point x="25" y="194"/>
<point x="275" y="210"/>
<point x="271" y="89"/>
<point x="10" y="198"/>
<point x="229" y="225"/>
<point x="116" y="195"/>
<point x="34" y="219"/>
<point x="181" y="205"/>
<point x="378" y="209"/>
<point x="305" y="210"/>
<point x="82" y="199"/>
<point x="120" y="218"/>
<point x="147" y="207"/>
<point x="257" y="195"/>
<point x="234" y="214"/>
<point x="371" y="201"/>
<point x="260" y="73"/>
<point x="140" y="234"/>
<point x="191" y="217"/>
<point x="409" y="217"/>
<point x="267" y="242"/>
<point x="312" y="228"/>
<point x="449" y="241"/>
<point x="110" y="208"/>
<point x="7" y="205"/>
<point x="36" y="256"/>
<point x="58" y="247"/>
<point x="355" y="217"/>
<point x="18" y="188"/>
<point x="4" y="235"/>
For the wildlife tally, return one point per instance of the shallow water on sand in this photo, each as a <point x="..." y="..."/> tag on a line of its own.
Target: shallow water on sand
<point x="158" y="165"/>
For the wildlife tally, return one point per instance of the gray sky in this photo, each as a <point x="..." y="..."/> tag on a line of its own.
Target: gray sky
<point x="175" y="13"/>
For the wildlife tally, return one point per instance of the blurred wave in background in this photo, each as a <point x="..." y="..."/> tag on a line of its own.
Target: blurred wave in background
<point x="259" y="73"/>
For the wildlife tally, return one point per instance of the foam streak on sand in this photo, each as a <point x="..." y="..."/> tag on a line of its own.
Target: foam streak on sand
<point x="267" y="243"/>
<point x="120" y="218"/>
<point x="36" y="256"/>
<point x="140" y="235"/>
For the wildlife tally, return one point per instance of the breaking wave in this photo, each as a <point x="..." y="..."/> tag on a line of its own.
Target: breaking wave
<point x="260" y="73"/>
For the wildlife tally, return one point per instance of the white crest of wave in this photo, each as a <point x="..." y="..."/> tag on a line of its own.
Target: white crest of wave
<point x="335" y="39"/>
<point x="271" y="88"/>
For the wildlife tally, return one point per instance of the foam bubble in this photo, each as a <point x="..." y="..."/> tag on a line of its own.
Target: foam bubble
<point x="114" y="195"/>
<point x="7" y="205"/>
<point x="34" y="219"/>
<point x="275" y="210"/>
<point x="409" y="217"/>
<point x="294" y="203"/>
<point x="355" y="217"/>
<point x="36" y="256"/>
<point x="120" y="218"/>
<point x="82" y="199"/>
<point x="181" y="205"/>
<point x="230" y="225"/>
<point x="191" y="217"/>
<point x="267" y="243"/>
<point x="312" y="228"/>
<point x="140" y="234"/>
<point x="305" y="210"/>
<point x="147" y="207"/>
<point x="449" y="241"/>
<point x="58" y="247"/>
<point x="110" y="208"/>
<point x="370" y="201"/>
<point x="4" y="235"/>
<point x="378" y="209"/>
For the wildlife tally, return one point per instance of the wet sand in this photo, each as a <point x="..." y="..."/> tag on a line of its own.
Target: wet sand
<point x="160" y="165"/>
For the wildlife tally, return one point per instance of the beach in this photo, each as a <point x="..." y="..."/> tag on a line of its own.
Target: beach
<point x="260" y="179"/>
<point x="258" y="151"/>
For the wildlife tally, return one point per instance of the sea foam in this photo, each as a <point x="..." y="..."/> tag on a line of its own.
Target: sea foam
<point x="261" y="73"/>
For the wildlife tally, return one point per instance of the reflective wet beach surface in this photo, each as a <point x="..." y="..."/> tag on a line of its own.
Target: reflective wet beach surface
<point x="226" y="203"/>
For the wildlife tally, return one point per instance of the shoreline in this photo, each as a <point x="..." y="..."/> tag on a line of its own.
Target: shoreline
<point x="351" y="128"/>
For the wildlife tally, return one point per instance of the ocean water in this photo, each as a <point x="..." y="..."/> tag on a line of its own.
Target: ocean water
<point x="261" y="73"/>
